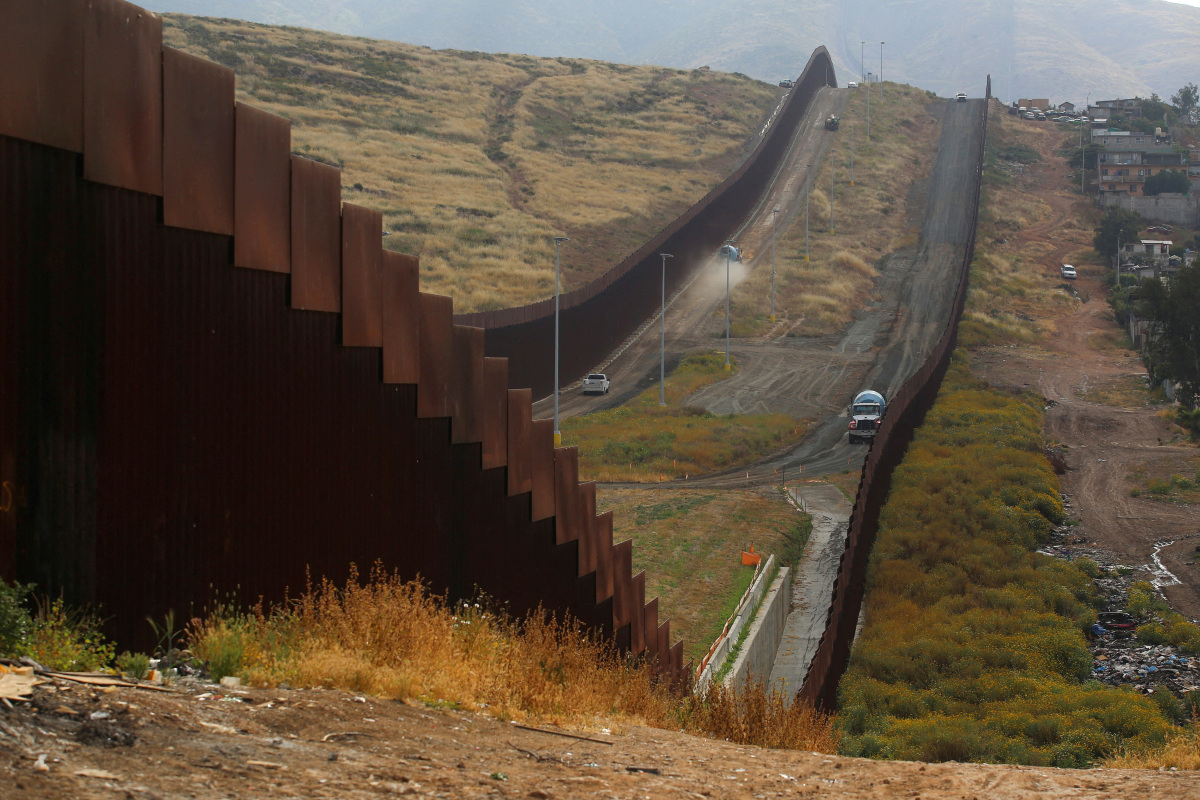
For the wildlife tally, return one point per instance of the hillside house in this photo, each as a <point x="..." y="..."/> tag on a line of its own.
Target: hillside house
<point x="1128" y="108"/>
<point x="1150" y="251"/>
<point x="1130" y="157"/>
<point x="1038" y="102"/>
<point x="1066" y="108"/>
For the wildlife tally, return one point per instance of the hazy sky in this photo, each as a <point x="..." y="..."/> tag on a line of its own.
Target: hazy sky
<point x="1186" y="2"/>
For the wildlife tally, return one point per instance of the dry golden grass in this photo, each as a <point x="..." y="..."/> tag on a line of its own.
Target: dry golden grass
<point x="478" y="160"/>
<point x="391" y="638"/>
<point x="690" y="541"/>
<point x="1181" y="751"/>
<point x="870" y="219"/>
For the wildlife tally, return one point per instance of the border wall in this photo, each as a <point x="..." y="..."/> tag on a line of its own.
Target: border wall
<point x="595" y="319"/>
<point x="905" y="413"/>
<point x="213" y="378"/>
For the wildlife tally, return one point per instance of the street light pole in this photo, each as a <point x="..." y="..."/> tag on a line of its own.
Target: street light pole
<point x="831" y="186"/>
<point x="662" y="336"/>
<point x="774" y="217"/>
<point x="851" y="150"/>
<point x="807" y="181"/>
<point x="881" y="44"/>
<point x="558" y="240"/>
<point x="862" y="61"/>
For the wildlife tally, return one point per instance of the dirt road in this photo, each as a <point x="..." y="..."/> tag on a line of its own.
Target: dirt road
<point x="208" y="743"/>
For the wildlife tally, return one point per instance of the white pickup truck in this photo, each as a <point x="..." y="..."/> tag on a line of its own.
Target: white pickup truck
<point x="596" y="383"/>
<point x="1068" y="271"/>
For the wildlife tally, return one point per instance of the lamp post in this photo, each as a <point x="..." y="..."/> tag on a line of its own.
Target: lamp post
<point x="558" y="240"/>
<point x="728" y="248"/>
<point x="831" y="185"/>
<point x="807" y="181"/>
<point x="851" y="150"/>
<point x="862" y="61"/>
<point x="662" y="335"/>
<point x="881" y="70"/>
<point x="774" y="217"/>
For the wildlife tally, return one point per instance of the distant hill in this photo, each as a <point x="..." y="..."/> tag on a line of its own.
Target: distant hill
<point x="477" y="161"/>
<point x="1061" y="49"/>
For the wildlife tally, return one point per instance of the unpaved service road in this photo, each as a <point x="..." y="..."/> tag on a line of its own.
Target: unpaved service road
<point x="209" y="743"/>
<point x="889" y="341"/>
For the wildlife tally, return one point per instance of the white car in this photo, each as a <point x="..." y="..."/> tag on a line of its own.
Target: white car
<point x="1068" y="271"/>
<point x="596" y="383"/>
<point x="961" y="97"/>
<point x="852" y="85"/>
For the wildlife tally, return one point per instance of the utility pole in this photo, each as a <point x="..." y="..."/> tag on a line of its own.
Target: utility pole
<point x="868" y="105"/>
<point x="851" y="150"/>
<point x="881" y="70"/>
<point x="862" y="62"/>
<point x="728" y="248"/>
<point x="831" y="185"/>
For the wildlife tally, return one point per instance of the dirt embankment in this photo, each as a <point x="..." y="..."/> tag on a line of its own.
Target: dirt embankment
<point x="208" y="742"/>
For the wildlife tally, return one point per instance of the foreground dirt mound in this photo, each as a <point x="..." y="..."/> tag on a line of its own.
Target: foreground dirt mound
<point x="205" y="741"/>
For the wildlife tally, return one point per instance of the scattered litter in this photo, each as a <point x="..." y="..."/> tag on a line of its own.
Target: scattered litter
<point x="647" y="770"/>
<point x="562" y="733"/>
<point x="213" y="726"/>
<point x="231" y="682"/>
<point x="40" y="764"/>
<point x="98" y="774"/>
<point x="266" y="764"/>
<point x="99" y="715"/>
<point x="333" y="737"/>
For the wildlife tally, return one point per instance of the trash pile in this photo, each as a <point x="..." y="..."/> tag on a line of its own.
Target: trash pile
<point x="1146" y="668"/>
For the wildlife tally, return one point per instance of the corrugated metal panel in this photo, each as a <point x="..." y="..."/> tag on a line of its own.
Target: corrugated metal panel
<point x="41" y="72"/>
<point x="262" y="186"/>
<point x="520" y="441"/>
<point x="122" y="96"/>
<point x="198" y="102"/>
<point x="494" y="418"/>
<point x="362" y="257"/>
<point x="623" y="603"/>
<point x="401" y="320"/>
<point x="437" y="348"/>
<point x="316" y="236"/>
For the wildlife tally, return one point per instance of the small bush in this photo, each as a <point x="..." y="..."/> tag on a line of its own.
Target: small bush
<point x="1141" y="599"/>
<point x="1088" y="567"/>
<point x="133" y="665"/>
<point x="67" y="640"/>
<point x="15" y="623"/>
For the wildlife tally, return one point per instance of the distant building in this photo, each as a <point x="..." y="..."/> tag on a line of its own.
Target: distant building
<point x="1129" y="108"/>
<point x="1039" y="102"/>
<point x="1066" y="108"/>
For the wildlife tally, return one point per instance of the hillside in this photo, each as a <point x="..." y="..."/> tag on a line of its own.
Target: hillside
<point x="1060" y="49"/>
<point x="478" y="161"/>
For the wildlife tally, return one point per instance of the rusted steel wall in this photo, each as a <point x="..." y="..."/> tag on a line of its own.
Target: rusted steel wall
<point x="905" y="412"/>
<point x="596" y="318"/>
<point x="186" y="413"/>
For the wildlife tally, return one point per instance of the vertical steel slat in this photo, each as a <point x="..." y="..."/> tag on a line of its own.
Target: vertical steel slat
<point x="494" y="417"/>
<point x="520" y="441"/>
<point x="122" y="96"/>
<point x="316" y="243"/>
<point x="198" y="100"/>
<point x="41" y="72"/>
<point x="262" y="187"/>
<point x="362" y="264"/>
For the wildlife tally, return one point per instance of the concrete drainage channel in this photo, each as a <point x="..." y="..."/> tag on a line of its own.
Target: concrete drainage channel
<point x="774" y="633"/>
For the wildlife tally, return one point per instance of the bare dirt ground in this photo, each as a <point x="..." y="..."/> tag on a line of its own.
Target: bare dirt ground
<point x="1106" y="442"/>
<point x="203" y="742"/>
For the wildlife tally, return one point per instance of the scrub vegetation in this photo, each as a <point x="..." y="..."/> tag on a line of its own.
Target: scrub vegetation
<point x="973" y="648"/>
<point x="392" y="639"/>
<point x="642" y="441"/>
<point x="477" y="160"/>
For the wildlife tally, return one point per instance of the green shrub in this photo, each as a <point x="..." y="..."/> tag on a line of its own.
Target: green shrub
<point x="15" y="623"/>
<point x="133" y="665"/>
<point x="1088" y="567"/>
<point x="1141" y="599"/>
<point x="66" y="639"/>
